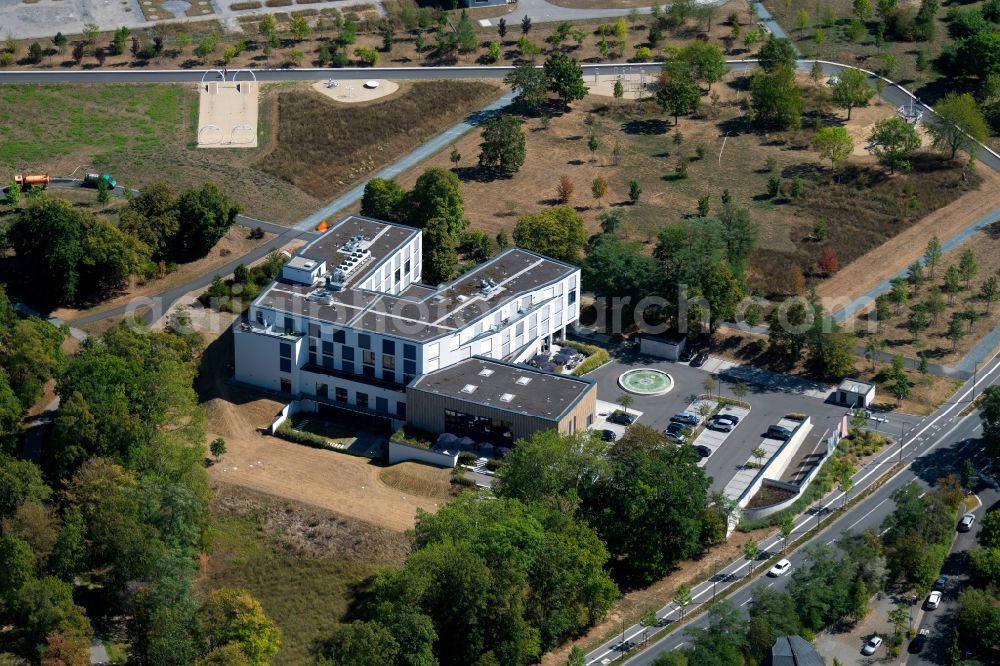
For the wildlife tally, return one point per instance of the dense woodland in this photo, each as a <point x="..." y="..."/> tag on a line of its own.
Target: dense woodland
<point x="109" y="517"/>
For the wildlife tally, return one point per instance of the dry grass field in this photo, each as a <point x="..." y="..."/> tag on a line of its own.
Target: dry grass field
<point x="305" y="565"/>
<point x="145" y="133"/>
<point x="934" y="342"/>
<point x="864" y="207"/>
<point x="832" y="16"/>
<point x="323" y="147"/>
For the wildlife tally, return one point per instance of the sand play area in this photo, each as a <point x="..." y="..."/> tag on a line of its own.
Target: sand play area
<point x="352" y="92"/>
<point x="227" y="114"/>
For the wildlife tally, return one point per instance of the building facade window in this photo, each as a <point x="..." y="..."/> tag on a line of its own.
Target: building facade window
<point x="286" y="385"/>
<point x="479" y="428"/>
<point x="382" y="405"/>
<point x="364" y="341"/>
<point x="410" y="352"/>
<point x="285" y="365"/>
<point x="401" y="409"/>
<point x="361" y="399"/>
<point x="388" y="346"/>
<point x="322" y="390"/>
<point x="388" y="362"/>
<point x="339" y="336"/>
<point x="340" y="394"/>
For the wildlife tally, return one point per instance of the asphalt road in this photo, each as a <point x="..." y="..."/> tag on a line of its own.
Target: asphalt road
<point x="932" y="448"/>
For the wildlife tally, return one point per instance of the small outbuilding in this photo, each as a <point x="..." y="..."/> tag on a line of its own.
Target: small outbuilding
<point x="668" y="348"/>
<point x="855" y="393"/>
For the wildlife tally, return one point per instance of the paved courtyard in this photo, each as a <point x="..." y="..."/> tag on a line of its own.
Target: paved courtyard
<point x="771" y="396"/>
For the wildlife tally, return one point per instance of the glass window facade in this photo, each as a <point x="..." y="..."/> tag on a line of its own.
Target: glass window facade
<point x="479" y="428"/>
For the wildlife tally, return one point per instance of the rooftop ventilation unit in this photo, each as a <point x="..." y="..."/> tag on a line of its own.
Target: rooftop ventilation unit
<point x="506" y="397"/>
<point x="485" y="372"/>
<point x="488" y="286"/>
<point x="469" y="388"/>
<point x="523" y="381"/>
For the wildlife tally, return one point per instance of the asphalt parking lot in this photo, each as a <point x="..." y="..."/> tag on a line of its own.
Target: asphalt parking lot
<point x="770" y="397"/>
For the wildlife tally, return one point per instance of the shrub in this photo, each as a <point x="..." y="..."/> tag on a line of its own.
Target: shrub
<point x="770" y="164"/>
<point x="596" y="356"/>
<point x="287" y="432"/>
<point x="773" y="186"/>
<point x="466" y="458"/>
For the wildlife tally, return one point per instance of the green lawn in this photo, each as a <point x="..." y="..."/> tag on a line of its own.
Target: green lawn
<point x="306" y="596"/>
<point x="43" y="123"/>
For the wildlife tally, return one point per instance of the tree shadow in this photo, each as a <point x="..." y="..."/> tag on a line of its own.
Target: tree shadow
<point x="646" y="126"/>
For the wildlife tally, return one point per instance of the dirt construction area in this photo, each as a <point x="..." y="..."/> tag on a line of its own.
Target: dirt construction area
<point x="345" y="484"/>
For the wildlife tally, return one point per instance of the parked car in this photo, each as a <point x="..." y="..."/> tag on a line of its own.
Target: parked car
<point x="699" y="359"/>
<point x="873" y="644"/>
<point x="687" y="418"/>
<point x="933" y="600"/>
<point x="609" y="435"/>
<point x="780" y="569"/>
<point x="720" y="425"/>
<point x="965" y="524"/>
<point x="702" y="451"/>
<point x="778" y="432"/>
<point x="675" y="437"/>
<point x="732" y="418"/>
<point x="687" y="354"/>
<point x="622" y="418"/>
<point x="940" y="583"/>
<point x="917" y="644"/>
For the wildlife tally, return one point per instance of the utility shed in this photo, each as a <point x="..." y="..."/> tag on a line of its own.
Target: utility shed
<point x="855" y="393"/>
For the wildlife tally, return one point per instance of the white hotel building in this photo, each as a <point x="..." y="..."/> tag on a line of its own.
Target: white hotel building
<point x="349" y="325"/>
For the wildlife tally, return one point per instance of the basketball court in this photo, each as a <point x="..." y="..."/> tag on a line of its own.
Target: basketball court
<point x="227" y="111"/>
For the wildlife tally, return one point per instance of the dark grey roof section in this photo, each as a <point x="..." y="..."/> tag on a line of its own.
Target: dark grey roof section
<point x="794" y="651"/>
<point x="420" y="313"/>
<point x="514" y="388"/>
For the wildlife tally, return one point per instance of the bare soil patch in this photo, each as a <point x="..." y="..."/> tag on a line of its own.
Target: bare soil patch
<point x="324" y="147"/>
<point x="356" y="92"/>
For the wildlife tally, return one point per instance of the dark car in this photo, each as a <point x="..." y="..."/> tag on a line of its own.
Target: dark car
<point x="940" y="583"/>
<point x="917" y="644"/>
<point x="699" y="360"/>
<point x="686" y="355"/>
<point x="702" y="451"/>
<point x="609" y="435"/>
<point x="677" y="429"/>
<point x="727" y="417"/>
<point x="622" y="418"/>
<point x="719" y="425"/>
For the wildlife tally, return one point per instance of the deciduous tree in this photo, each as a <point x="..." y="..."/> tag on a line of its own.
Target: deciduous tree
<point x="893" y="139"/>
<point x="957" y="123"/>
<point x="501" y="151"/>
